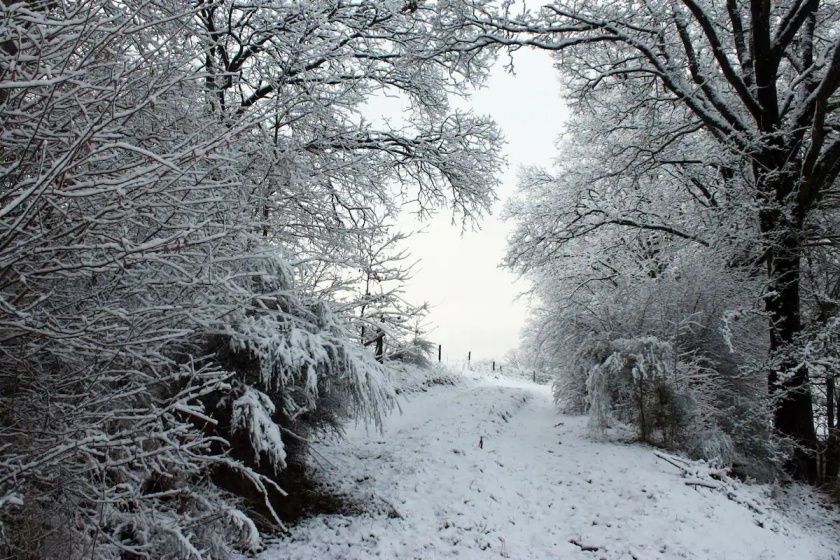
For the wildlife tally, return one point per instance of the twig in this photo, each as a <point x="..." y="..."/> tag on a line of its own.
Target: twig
<point x="672" y="461"/>
<point x="703" y="483"/>
<point x="585" y="547"/>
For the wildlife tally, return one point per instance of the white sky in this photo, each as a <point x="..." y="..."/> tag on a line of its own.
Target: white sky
<point x="474" y="305"/>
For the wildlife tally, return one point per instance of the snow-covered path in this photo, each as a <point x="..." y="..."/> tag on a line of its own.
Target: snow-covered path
<point x="538" y="488"/>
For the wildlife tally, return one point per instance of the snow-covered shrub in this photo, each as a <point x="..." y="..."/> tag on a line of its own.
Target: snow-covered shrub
<point x="571" y="386"/>
<point x="150" y="323"/>
<point x="601" y="385"/>
<point x="740" y="409"/>
<point x="639" y="383"/>
<point x="715" y="388"/>
<point x="416" y="351"/>
<point x="410" y="378"/>
<point x="296" y="362"/>
<point x="123" y="241"/>
<point x="712" y="445"/>
<point x="672" y="400"/>
<point x="590" y="236"/>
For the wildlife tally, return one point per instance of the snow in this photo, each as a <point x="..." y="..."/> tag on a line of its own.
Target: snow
<point x="539" y="488"/>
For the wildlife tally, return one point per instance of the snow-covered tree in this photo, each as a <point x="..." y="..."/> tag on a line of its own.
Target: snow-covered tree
<point x="752" y="83"/>
<point x="169" y="174"/>
<point x="329" y="185"/>
<point x="610" y="261"/>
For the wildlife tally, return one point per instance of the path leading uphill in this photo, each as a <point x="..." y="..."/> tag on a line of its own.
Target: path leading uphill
<point x="538" y="488"/>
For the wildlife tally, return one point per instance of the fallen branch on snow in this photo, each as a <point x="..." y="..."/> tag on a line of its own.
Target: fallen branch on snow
<point x="703" y="483"/>
<point x="689" y="470"/>
<point x="585" y="547"/>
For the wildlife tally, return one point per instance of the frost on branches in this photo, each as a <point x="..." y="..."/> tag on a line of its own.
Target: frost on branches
<point x="709" y="126"/>
<point x="644" y="383"/>
<point x="178" y="184"/>
<point x="605" y="288"/>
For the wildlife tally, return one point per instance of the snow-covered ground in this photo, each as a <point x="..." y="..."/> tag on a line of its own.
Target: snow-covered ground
<point x="539" y="487"/>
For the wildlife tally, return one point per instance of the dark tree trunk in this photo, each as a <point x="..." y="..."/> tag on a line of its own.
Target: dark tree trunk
<point x="789" y="385"/>
<point x="380" y="347"/>
<point x="832" y="448"/>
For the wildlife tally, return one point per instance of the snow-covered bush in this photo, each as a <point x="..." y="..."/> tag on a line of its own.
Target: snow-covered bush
<point x="123" y="243"/>
<point x="572" y="388"/>
<point x="672" y="400"/>
<point x="609" y="287"/>
<point x="297" y="365"/>
<point x="640" y="383"/>
<point x="409" y="378"/>
<point x="296" y="374"/>
<point x="162" y="361"/>
<point x="667" y="399"/>
<point x="415" y="351"/>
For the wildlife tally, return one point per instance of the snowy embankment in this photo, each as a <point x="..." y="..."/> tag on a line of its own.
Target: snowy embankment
<point x="489" y="469"/>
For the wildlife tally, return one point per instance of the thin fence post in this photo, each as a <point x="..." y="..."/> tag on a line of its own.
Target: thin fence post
<point x="494" y="365"/>
<point x="535" y="376"/>
<point x="469" y="356"/>
<point x="439" y="347"/>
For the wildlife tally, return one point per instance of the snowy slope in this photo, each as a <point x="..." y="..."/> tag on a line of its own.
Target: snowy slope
<point x="538" y="484"/>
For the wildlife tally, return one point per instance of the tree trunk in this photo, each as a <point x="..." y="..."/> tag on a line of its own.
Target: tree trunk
<point x="380" y="347"/>
<point x="832" y="448"/>
<point x="789" y="385"/>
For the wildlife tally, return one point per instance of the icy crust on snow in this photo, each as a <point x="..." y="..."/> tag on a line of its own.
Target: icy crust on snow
<point x="489" y="469"/>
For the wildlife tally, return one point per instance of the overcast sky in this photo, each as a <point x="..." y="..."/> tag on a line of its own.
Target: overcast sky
<point x="474" y="304"/>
